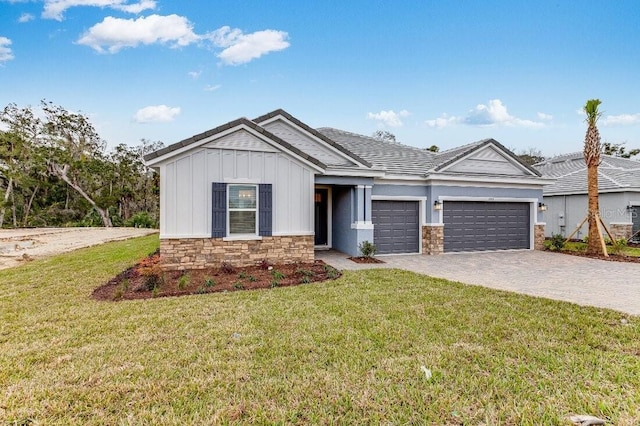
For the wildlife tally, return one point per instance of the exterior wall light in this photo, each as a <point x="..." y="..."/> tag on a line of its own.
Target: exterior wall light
<point x="437" y="205"/>
<point x="542" y="207"/>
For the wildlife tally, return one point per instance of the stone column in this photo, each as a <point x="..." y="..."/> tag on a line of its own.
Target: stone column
<point x="433" y="239"/>
<point x="538" y="236"/>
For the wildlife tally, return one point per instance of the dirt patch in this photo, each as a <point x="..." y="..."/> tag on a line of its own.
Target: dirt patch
<point x="364" y="259"/>
<point x="147" y="280"/>
<point x="20" y="245"/>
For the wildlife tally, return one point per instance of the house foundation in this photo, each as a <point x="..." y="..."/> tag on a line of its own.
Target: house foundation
<point x="200" y="253"/>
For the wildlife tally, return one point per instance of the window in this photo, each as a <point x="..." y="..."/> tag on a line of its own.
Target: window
<point x="242" y="210"/>
<point x="239" y="210"/>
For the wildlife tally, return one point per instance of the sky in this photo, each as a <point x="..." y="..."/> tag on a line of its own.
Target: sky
<point x="442" y="73"/>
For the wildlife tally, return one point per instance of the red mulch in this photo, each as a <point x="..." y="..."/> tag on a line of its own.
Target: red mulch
<point x="147" y="280"/>
<point x="364" y="259"/>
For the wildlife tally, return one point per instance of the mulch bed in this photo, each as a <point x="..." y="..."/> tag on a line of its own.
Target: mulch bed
<point x="364" y="259"/>
<point x="611" y="258"/>
<point x="147" y="280"/>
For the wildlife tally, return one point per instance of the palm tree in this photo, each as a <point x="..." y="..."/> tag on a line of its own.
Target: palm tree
<point x="592" y="149"/>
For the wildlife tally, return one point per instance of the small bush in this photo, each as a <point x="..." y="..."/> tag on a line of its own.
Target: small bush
<point x="141" y="220"/>
<point x="618" y="246"/>
<point x="274" y="284"/>
<point x="238" y="285"/>
<point x="367" y="249"/>
<point x="183" y="281"/>
<point x="277" y="275"/>
<point x="209" y="283"/>
<point x="556" y="242"/>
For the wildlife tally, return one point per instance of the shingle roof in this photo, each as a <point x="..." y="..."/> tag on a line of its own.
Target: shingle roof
<point x="393" y="157"/>
<point x="570" y="172"/>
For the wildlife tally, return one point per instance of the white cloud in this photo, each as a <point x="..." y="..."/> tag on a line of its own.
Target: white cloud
<point x="195" y="74"/>
<point x="54" y="9"/>
<point x="212" y="88"/>
<point x="114" y="34"/>
<point x="240" y="48"/>
<point x="621" y="120"/>
<point x="495" y="113"/>
<point x="444" y="121"/>
<point x="156" y="114"/>
<point x="5" y="51"/>
<point x="389" y="118"/>
<point x="26" y="17"/>
<point x="492" y="114"/>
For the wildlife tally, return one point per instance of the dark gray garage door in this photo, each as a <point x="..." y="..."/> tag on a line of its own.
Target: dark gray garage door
<point x="477" y="226"/>
<point x="395" y="226"/>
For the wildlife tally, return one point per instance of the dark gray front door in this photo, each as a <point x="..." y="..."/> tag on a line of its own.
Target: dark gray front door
<point x="321" y="215"/>
<point x="395" y="226"/>
<point x="477" y="226"/>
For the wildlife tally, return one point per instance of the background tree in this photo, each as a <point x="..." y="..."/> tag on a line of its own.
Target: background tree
<point x="530" y="156"/>
<point x="433" y="148"/>
<point x="384" y="135"/>
<point x="618" y="150"/>
<point x="592" y="151"/>
<point x="43" y="163"/>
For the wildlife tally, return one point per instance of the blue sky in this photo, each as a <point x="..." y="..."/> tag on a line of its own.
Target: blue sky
<point x="431" y="72"/>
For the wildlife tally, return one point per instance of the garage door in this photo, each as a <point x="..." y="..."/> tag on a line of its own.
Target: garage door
<point x="477" y="226"/>
<point x="395" y="226"/>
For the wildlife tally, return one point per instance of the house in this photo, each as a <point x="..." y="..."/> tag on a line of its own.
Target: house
<point x="566" y="198"/>
<point x="274" y="188"/>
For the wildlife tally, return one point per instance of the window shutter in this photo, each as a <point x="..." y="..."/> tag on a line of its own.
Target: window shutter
<point x="219" y="210"/>
<point x="265" y="210"/>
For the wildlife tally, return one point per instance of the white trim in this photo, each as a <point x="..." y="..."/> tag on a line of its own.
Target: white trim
<point x="533" y="209"/>
<point x="292" y="234"/>
<point x="488" y="180"/>
<point x="243" y="237"/>
<point x="620" y="223"/>
<point x="541" y="223"/>
<point x="362" y="224"/>
<point x="332" y="171"/>
<point x="433" y="224"/>
<point x="242" y="181"/>
<point x="255" y="209"/>
<point x="186" y="236"/>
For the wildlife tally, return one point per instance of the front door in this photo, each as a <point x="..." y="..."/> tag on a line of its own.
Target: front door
<point x="321" y="216"/>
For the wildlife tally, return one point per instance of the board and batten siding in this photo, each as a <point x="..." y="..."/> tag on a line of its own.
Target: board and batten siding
<point x="487" y="161"/>
<point x="185" y="188"/>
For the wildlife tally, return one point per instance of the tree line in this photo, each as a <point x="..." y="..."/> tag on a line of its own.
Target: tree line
<point x="55" y="170"/>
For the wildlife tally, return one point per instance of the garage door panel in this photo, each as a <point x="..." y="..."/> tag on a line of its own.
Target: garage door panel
<point x="475" y="226"/>
<point x="395" y="226"/>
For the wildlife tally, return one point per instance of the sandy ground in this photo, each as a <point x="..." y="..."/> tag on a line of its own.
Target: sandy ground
<point x="20" y="245"/>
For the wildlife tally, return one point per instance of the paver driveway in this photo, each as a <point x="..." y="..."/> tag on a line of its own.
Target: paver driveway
<point x="580" y="280"/>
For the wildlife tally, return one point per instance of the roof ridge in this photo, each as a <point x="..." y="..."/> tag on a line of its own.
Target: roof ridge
<point x="346" y="132"/>
<point x="615" y="182"/>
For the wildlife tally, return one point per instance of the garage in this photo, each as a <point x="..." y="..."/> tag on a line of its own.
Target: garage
<point x="396" y="226"/>
<point x="479" y="226"/>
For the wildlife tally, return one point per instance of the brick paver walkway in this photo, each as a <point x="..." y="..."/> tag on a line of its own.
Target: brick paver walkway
<point x="589" y="282"/>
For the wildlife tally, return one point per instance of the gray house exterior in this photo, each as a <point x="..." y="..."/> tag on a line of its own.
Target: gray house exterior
<point x="274" y="188"/>
<point x="566" y="198"/>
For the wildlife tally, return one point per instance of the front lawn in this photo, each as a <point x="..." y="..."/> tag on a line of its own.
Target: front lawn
<point x="348" y="351"/>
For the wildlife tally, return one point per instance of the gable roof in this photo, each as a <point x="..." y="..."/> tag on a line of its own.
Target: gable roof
<point x="314" y="132"/>
<point x="193" y="140"/>
<point x="615" y="174"/>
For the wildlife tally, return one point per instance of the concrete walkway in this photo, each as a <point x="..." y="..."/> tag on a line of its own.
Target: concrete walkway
<point x="589" y="282"/>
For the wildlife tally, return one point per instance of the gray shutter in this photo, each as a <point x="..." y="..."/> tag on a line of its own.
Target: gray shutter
<point x="265" y="210"/>
<point x="219" y="210"/>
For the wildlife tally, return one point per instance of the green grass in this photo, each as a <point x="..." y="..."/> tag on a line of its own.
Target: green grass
<point x="576" y="246"/>
<point x="341" y="352"/>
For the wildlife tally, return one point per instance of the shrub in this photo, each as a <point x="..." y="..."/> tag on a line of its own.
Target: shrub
<point x="367" y="249"/>
<point x="618" y="246"/>
<point x="209" y="282"/>
<point x="141" y="220"/>
<point x="556" y="242"/>
<point x="227" y="268"/>
<point x="277" y="275"/>
<point x="183" y="281"/>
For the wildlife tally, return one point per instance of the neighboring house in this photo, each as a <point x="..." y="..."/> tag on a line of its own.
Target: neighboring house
<point x="274" y="188"/>
<point x="566" y="199"/>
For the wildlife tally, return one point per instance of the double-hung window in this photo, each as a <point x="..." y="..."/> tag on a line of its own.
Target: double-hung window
<point x="243" y="210"/>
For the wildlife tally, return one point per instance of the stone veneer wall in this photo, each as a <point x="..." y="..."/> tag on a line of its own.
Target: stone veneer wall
<point x="433" y="239"/>
<point x="538" y="236"/>
<point x="621" y="230"/>
<point x="199" y="253"/>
